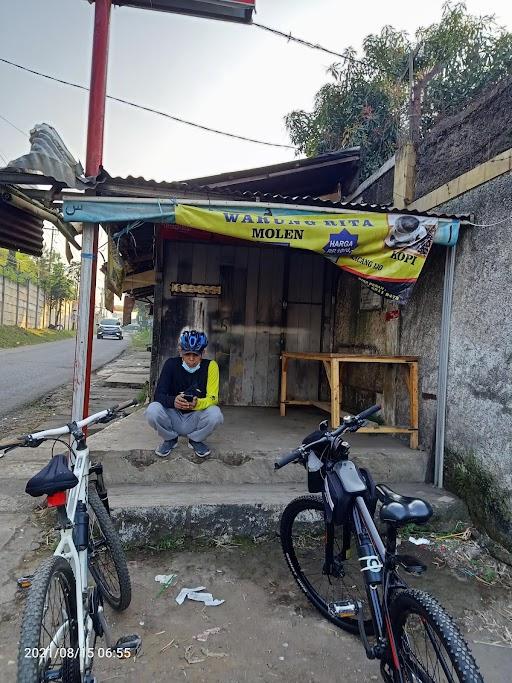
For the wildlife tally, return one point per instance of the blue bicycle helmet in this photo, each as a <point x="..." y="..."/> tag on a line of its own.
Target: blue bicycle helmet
<point x="192" y="341"/>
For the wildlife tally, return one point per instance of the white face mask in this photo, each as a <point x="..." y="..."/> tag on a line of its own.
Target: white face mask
<point x="185" y="367"/>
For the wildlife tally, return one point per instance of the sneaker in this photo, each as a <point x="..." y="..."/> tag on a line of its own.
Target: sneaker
<point x="166" y="447"/>
<point x="199" y="448"/>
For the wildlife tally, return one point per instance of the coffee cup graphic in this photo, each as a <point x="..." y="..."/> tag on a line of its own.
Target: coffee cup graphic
<point x="406" y="231"/>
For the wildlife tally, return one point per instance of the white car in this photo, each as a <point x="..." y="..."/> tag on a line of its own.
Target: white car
<point x="109" y="327"/>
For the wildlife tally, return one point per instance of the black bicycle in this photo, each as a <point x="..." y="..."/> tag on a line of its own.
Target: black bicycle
<point x="363" y="592"/>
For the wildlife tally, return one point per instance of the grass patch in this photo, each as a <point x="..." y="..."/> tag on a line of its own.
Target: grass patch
<point x="143" y="394"/>
<point x="11" y="337"/>
<point x="142" y="339"/>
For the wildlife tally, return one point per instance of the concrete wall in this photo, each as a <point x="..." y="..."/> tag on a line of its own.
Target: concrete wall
<point x="479" y="420"/>
<point x="24" y="304"/>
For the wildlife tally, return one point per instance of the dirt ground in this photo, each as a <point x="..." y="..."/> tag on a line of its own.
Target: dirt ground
<point x="265" y="631"/>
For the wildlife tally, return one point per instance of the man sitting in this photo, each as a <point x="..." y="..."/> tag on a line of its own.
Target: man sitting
<point x="186" y="397"/>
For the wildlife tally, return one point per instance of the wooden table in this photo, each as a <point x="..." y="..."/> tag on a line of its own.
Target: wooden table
<point x="332" y="363"/>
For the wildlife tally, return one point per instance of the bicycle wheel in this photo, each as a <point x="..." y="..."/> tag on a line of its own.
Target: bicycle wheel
<point x="106" y="558"/>
<point x="48" y="648"/>
<point x="429" y="645"/>
<point x="303" y="537"/>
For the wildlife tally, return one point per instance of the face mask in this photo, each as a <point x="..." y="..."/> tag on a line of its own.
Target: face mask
<point x="185" y="367"/>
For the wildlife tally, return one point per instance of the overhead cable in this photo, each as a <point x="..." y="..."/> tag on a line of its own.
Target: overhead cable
<point x="148" y="109"/>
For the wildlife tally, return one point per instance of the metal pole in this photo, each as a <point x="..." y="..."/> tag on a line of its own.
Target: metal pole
<point x="94" y="158"/>
<point x="442" y="378"/>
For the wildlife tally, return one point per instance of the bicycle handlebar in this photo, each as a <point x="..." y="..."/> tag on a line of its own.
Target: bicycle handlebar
<point x="281" y="462"/>
<point x="32" y="439"/>
<point x="350" y="423"/>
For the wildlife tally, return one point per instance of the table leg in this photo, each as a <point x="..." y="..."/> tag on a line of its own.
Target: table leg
<point x="413" y="403"/>
<point x="282" y="404"/>
<point x="335" y="392"/>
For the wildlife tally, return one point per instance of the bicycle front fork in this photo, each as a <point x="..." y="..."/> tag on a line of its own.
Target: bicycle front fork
<point x="97" y="469"/>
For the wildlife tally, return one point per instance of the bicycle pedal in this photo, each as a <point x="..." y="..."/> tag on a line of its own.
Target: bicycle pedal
<point x="24" y="582"/>
<point x="128" y="646"/>
<point x="343" y="609"/>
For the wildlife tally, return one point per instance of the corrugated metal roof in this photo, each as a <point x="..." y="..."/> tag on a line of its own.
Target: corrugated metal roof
<point x="20" y="230"/>
<point x="157" y="189"/>
<point x="49" y="157"/>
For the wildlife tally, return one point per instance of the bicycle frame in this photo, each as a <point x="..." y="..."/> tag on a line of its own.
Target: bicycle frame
<point x="365" y="529"/>
<point x="66" y="547"/>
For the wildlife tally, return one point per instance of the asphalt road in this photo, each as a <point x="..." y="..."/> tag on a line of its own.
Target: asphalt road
<point x="28" y="372"/>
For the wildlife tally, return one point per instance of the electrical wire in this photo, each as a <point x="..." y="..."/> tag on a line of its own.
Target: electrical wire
<point x="306" y="43"/>
<point x="178" y="119"/>
<point x="14" y="126"/>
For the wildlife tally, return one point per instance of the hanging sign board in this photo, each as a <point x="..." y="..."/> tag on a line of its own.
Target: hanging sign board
<point x="226" y="10"/>
<point x="385" y="251"/>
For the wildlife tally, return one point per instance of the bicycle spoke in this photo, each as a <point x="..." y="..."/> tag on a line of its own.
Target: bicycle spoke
<point x="425" y="657"/>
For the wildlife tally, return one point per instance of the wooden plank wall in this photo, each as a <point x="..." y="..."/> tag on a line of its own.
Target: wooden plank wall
<point x="304" y="321"/>
<point x="245" y="323"/>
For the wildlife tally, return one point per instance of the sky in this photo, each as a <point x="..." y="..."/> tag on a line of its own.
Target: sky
<point x="233" y="77"/>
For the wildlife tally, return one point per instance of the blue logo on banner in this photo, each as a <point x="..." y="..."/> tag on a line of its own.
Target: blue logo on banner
<point x="341" y="244"/>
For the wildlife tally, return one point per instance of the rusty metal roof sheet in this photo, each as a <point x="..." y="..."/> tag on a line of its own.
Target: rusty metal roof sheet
<point x="20" y="230"/>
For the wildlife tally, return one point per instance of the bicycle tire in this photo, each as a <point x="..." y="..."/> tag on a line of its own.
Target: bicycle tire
<point x="121" y="598"/>
<point x="308" y="504"/>
<point x="36" y="609"/>
<point x="413" y="602"/>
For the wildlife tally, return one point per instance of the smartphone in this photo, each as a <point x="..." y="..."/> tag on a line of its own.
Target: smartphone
<point x="188" y="397"/>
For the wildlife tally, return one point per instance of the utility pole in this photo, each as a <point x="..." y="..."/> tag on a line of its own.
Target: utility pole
<point x="89" y="262"/>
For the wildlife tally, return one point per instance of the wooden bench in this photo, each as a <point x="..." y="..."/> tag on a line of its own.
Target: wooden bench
<point x="332" y="363"/>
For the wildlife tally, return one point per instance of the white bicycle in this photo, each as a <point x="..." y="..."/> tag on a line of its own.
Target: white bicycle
<point x="64" y="612"/>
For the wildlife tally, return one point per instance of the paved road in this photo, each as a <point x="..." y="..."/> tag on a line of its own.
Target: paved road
<point x="28" y="372"/>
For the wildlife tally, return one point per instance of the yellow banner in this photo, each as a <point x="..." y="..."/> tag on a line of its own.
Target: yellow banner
<point x="386" y="251"/>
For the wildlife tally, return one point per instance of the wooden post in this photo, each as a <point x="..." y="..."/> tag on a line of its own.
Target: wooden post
<point x="404" y="178"/>
<point x="413" y="403"/>
<point x="282" y="404"/>
<point x="327" y="371"/>
<point x="335" y="392"/>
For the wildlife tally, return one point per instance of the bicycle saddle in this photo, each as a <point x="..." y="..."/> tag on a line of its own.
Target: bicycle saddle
<point x="400" y="510"/>
<point x="54" y="477"/>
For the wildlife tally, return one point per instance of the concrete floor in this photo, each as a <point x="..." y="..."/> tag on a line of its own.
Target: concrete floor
<point x="249" y="441"/>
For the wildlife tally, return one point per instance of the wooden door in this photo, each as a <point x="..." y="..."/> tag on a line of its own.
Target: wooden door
<point x="243" y="321"/>
<point x="308" y="320"/>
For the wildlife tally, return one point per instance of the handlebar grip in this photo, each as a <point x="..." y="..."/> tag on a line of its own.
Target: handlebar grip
<point x="366" y="413"/>
<point x="126" y="404"/>
<point x="286" y="459"/>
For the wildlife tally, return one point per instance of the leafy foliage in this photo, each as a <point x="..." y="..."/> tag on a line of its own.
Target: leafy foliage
<point x="367" y="103"/>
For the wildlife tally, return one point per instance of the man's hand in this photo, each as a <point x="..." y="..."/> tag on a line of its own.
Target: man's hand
<point x="181" y="404"/>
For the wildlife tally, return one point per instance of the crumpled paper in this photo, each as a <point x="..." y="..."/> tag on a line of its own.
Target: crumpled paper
<point x="197" y="595"/>
<point x="419" y="541"/>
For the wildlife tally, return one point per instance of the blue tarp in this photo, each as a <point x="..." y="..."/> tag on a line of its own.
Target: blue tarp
<point x="163" y="210"/>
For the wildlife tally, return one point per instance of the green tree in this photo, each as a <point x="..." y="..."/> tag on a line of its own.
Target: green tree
<point x="57" y="283"/>
<point x="367" y="102"/>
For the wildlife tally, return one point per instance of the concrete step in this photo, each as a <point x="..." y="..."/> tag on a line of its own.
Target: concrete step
<point x="243" y="451"/>
<point x="150" y="514"/>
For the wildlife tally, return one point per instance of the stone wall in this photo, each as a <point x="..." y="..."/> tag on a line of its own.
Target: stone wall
<point x="460" y="142"/>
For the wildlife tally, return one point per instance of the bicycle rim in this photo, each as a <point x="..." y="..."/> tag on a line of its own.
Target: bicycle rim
<point x="429" y="645"/>
<point x="101" y="562"/>
<point x="106" y="559"/>
<point x="303" y="539"/>
<point x="49" y="635"/>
